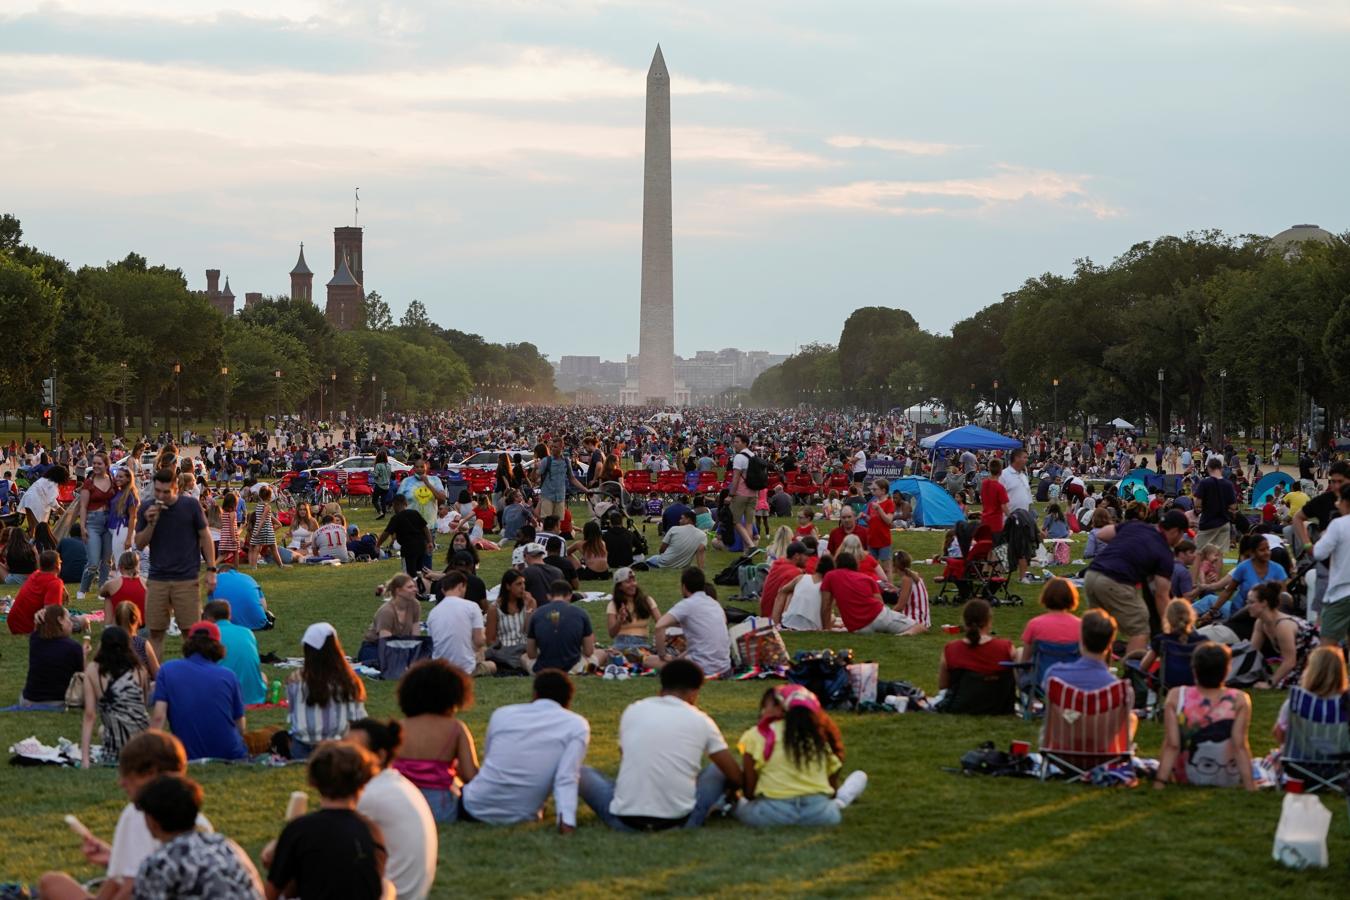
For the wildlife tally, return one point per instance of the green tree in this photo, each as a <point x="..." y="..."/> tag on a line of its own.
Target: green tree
<point x="29" y="306"/>
<point x="415" y="317"/>
<point x="375" y="314"/>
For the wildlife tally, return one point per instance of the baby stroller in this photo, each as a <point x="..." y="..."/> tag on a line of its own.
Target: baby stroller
<point x="609" y="495"/>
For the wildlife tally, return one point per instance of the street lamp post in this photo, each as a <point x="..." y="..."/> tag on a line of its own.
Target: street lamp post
<point x="332" y="381"/>
<point x="996" y="415"/>
<point x="1298" y="405"/>
<point x="372" y="395"/>
<point x="1161" y="376"/>
<point x="178" y="392"/>
<point x="1223" y="385"/>
<point x="1263" y="416"/>
<point x="122" y="422"/>
<point x="1055" y="383"/>
<point x="277" y="373"/>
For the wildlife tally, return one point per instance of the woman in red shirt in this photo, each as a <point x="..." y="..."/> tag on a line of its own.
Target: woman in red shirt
<point x="978" y="652"/>
<point x="880" y="514"/>
<point x="993" y="498"/>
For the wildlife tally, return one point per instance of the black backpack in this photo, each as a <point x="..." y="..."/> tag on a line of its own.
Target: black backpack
<point x="756" y="474"/>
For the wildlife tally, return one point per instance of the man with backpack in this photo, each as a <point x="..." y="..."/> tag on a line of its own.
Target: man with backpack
<point x="748" y="478"/>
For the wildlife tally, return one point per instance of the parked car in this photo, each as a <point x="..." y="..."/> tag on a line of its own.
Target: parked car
<point x="363" y="462"/>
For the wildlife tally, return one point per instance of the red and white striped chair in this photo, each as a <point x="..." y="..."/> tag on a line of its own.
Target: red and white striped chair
<point x="1086" y="729"/>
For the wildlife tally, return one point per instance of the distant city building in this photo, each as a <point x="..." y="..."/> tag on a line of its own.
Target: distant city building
<point x="699" y="379"/>
<point x="302" y="279"/>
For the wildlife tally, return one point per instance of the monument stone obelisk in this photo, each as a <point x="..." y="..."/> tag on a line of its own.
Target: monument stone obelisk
<point x="656" y="339"/>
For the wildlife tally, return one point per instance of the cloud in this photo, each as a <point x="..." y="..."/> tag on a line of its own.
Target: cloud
<point x="1007" y="185"/>
<point x="907" y="147"/>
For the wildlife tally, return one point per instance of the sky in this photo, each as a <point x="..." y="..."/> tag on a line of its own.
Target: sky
<point x="826" y="156"/>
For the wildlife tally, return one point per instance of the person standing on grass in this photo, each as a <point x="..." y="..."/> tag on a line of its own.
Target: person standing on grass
<point x="1216" y="500"/>
<point x="1022" y="533"/>
<point x="1134" y="552"/>
<point x="743" y="497"/>
<point x="335" y="851"/>
<point x="423" y="492"/>
<point x="174" y="527"/>
<point x="662" y="782"/>
<point x="555" y="474"/>
<point x="410" y="530"/>
<point x="880" y="515"/>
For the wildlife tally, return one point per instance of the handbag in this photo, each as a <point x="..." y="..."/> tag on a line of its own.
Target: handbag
<point x="75" y="692"/>
<point x="756" y="643"/>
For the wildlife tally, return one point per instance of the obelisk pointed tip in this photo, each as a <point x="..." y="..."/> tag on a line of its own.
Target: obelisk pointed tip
<point x="658" y="69"/>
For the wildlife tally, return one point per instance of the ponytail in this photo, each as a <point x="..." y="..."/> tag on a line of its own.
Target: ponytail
<point x="977" y="614"/>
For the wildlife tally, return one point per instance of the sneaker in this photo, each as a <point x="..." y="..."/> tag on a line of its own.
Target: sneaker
<point x="611" y="672"/>
<point x="79" y="595"/>
<point x="851" y="789"/>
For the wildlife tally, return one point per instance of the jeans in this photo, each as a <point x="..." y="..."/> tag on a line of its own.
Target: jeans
<point x="98" y="542"/>
<point x="811" y="809"/>
<point x="597" y="790"/>
<point x="444" y="804"/>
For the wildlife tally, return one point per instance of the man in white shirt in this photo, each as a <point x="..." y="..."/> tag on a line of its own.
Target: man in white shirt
<point x="743" y="496"/>
<point x="37" y="503"/>
<point x="681" y="546"/>
<point x="859" y="465"/>
<point x="330" y="541"/>
<point x="457" y="629"/>
<point x="1021" y="544"/>
<point x="704" y="624"/>
<point x="662" y="781"/>
<point x="1334" y="547"/>
<point x="530" y="750"/>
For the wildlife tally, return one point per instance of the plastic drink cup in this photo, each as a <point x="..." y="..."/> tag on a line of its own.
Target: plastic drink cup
<point x="1293" y="785"/>
<point x="297" y="805"/>
<point x="951" y="629"/>
<point x="1020" y="748"/>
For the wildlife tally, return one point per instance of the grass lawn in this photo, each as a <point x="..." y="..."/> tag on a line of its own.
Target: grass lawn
<point x="917" y="831"/>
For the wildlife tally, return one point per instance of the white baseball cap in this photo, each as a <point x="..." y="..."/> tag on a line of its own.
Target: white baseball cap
<point x="518" y="556"/>
<point x="317" y="635"/>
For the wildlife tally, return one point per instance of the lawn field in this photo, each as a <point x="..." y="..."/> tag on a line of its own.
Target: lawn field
<point x="918" y="830"/>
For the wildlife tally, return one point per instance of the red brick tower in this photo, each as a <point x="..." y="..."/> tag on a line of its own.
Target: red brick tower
<point x="302" y="279"/>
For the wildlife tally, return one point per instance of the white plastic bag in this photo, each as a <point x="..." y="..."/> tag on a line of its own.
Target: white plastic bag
<point x="1301" y="836"/>
<point x="863" y="677"/>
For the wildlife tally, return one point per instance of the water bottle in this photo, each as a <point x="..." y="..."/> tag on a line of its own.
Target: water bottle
<point x="274" y="691"/>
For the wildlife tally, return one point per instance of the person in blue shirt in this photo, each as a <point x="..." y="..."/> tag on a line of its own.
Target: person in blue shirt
<point x="241" y="652"/>
<point x="1090" y="671"/>
<point x="201" y="701"/>
<point x="74" y="556"/>
<point x="1256" y="568"/>
<point x="248" y="606"/>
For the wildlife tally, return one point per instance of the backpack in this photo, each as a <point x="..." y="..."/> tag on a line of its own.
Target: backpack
<point x="825" y="674"/>
<point x="750" y="580"/>
<point x="756" y="474"/>
<point x="730" y="576"/>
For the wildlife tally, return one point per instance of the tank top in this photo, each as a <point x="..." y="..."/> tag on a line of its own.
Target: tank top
<point x="99" y="498"/>
<point x="430" y="774"/>
<point x="131" y="590"/>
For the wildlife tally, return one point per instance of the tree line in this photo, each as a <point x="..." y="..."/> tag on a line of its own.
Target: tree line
<point x="129" y="337"/>
<point x="1214" y="324"/>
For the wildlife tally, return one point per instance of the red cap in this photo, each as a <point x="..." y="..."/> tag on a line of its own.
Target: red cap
<point x="207" y="628"/>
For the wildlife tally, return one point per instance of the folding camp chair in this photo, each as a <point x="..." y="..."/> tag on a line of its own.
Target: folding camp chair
<point x="1031" y="674"/>
<point x="1174" y="670"/>
<point x="974" y="694"/>
<point x="1317" y="740"/>
<point x="1085" y="729"/>
<point x="359" y="488"/>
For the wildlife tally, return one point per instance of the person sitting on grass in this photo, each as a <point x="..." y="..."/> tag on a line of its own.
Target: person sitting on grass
<point x="533" y="749"/>
<point x="397" y="617"/>
<point x="798" y="605"/>
<point x="1206" y="741"/>
<point x="241" y="652"/>
<point x="1058" y="624"/>
<point x="791" y="762"/>
<point x="189" y="863"/>
<point x="506" y="618"/>
<point x="124" y="585"/>
<point x="129" y="618"/>
<point x="325" y="695"/>
<point x="1288" y="637"/>
<point x="201" y="701"/>
<point x="334" y="851"/>
<point x="662" y="782"/>
<point x="145" y="756"/>
<point x="1090" y="672"/>
<point x="558" y="635"/>
<point x="456" y="626"/>
<point x="398" y="808"/>
<point x="912" y="590"/>
<point x="629" y="617"/>
<point x="438" y="754"/>
<point x="704" y="624"/>
<point x="116" y="685"/>
<point x="858" y="597"/>
<point x="53" y="658"/>
<point x="43" y="588"/>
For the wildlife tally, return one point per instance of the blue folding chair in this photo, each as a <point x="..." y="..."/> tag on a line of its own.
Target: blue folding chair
<point x="1317" y="741"/>
<point x="1031" y="674"/>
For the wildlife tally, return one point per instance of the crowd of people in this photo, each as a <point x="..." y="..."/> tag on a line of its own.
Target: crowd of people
<point x="158" y="535"/>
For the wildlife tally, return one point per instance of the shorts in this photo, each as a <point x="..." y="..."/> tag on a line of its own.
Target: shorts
<point x="1122" y="601"/>
<point x="182" y="599"/>
<point x="888" y="622"/>
<point x="880" y="554"/>
<point x="743" y="509"/>
<point x="1219" y="537"/>
<point x="1335" y="621"/>
<point x="552" y="508"/>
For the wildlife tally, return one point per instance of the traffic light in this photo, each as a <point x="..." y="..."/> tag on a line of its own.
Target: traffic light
<point x="1318" y="420"/>
<point x="49" y="391"/>
<point x="47" y="416"/>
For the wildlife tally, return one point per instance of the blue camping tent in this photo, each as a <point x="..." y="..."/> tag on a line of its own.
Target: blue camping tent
<point x="933" y="506"/>
<point x="969" y="437"/>
<point x="1135" y="485"/>
<point x="1266" y="486"/>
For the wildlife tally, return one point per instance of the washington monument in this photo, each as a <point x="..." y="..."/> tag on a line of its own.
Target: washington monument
<point x="656" y="339"/>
